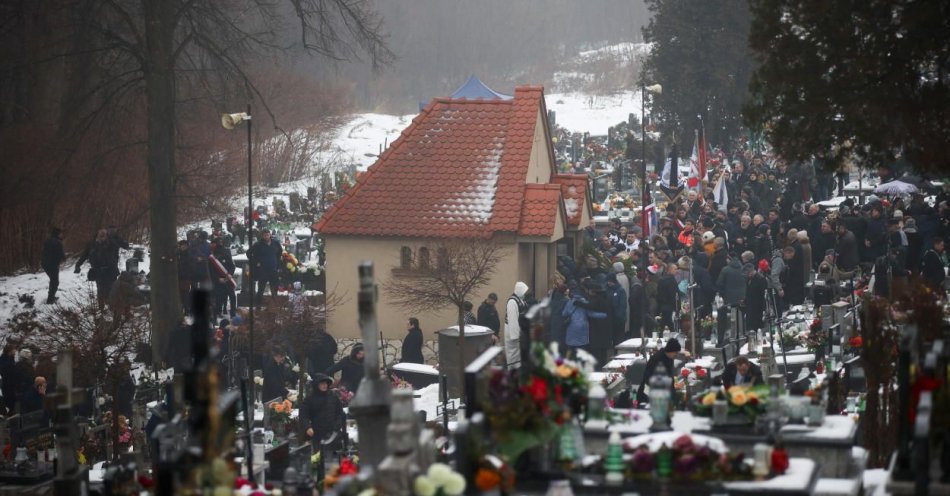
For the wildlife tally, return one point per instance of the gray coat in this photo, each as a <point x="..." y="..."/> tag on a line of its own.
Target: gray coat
<point x="731" y="283"/>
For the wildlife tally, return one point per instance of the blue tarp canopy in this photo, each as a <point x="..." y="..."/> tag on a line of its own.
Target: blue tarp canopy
<point x="474" y="88"/>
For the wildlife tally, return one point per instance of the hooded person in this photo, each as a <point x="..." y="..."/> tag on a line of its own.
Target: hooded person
<point x="515" y="308"/>
<point x="350" y="368"/>
<point x="659" y="358"/>
<point x="732" y="283"/>
<point x="321" y="412"/>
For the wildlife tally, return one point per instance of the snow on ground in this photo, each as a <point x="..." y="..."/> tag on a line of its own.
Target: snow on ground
<point x="581" y="112"/>
<point x="363" y="134"/>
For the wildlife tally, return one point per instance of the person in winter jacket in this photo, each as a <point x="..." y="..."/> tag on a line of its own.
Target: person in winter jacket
<point x="806" y="254"/>
<point x="719" y="259"/>
<point x="637" y="305"/>
<point x="488" y="315"/>
<point x="265" y="256"/>
<point x="350" y="368"/>
<point x="515" y="308"/>
<point x="618" y="308"/>
<point x="556" y="326"/>
<point x="321" y="412"/>
<point x="412" y="344"/>
<point x="601" y="330"/>
<point x="666" y="295"/>
<point x="847" y="249"/>
<point x="662" y="357"/>
<point x="276" y="376"/>
<point x="322" y="351"/>
<point x="102" y="254"/>
<point x="794" y="277"/>
<point x="933" y="266"/>
<point x="624" y="283"/>
<point x="741" y="372"/>
<point x="53" y="256"/>
<point x="731" y="283"/>
<point x="223" y="292"/>
<point x="755" y="296"/>
<point x="578" y="314"/>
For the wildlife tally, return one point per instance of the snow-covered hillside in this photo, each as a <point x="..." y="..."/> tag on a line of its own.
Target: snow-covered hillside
<point x="357" y="142"/>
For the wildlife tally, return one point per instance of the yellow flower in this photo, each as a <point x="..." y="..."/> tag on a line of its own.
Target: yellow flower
<point x="752" y="396"/>
<point x="564" y="371"/>
<point x="709" y="399"/>
<point x="735" y="389"/>
<point x="739" y="398"/>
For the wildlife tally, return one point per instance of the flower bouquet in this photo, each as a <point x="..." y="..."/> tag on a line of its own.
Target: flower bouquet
<point x="280" y="414"/>
<point x="816" y="339"/>
<point x="744" y="403"/>
<point x="686" y="460"/>
<point x="526" y="409"/>
<point x="439" y="480"/>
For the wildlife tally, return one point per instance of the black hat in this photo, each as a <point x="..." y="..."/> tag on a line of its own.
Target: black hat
<point x="673" y="345"/>
<point x="763" y="228"/>
<point x="708" y="223"/>
<point x="317" y="379"/>
<point x="224" y="323"/>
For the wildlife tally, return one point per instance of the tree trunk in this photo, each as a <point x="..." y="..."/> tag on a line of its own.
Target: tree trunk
<point x="160" y="99"/>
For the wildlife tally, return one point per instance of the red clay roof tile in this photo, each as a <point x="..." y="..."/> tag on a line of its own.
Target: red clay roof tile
<point x="459" y="169"/>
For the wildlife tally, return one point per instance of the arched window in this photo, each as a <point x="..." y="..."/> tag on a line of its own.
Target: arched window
<point x="423" y="258"/>
<point x="405" y="258"/>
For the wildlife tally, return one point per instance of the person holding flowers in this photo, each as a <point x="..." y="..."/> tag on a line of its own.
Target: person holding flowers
<point x="321" y="412"/>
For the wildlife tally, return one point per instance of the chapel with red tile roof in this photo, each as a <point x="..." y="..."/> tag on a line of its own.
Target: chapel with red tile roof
<point x="481" y="168"/>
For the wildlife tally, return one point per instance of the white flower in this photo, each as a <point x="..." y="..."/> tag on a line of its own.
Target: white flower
<point x="423" y="486"/>
<point x="439" y="473"/>
<point x="367" y="492"/>
<point x="549" y="364"/>
<point x="101" y="401"/>
<point x="554" y="348"/>
<point x="455" y="486"/>
<point x="296" y="369"/>
<point x="259" y="381"/>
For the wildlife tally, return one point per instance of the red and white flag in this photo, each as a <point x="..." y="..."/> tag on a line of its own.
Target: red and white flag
<point x="697" y="161"/>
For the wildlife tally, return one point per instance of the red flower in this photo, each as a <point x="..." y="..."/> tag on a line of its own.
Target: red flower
<point x="240" y="482"/>
<point x="347" y="467"/>
<point x="856" y="342"/>
<point x="538" y="389"/>
<point x="700" y="372"/>
<point x="146" y="481"/>
<point x="684" y="372"/>
<point x="753" y="401"/>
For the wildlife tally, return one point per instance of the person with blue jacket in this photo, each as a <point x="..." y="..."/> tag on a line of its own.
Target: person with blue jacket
<point x="576" y="312"/>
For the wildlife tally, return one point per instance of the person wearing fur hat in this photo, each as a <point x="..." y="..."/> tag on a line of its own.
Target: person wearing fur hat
<point x="321" y="412"/>
<point x="664" y="358"/>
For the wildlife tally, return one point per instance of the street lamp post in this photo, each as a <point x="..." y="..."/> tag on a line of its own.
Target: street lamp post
<point x="229" y="122"/>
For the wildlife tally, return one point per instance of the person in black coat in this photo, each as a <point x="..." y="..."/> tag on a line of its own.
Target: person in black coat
<point x="705" y="292"/>
<point x="794" y="276"/>
<point x="276" y="376"/>
<point x="223" y="292"/>
<point x="53" y="256"/>
<point x="755" y="297"/>
<point x="350" y="368"/>
<point x="666" y="293"/>
<point x="932" y="266"/>
<point x="741" y="372"/>
<point x="601" y="330"/>
<point x="412" y="344"/>
<point x="321" y="411"/>
<point x="662" y="357"/>
<point x="846" y="252"/>
<point x="10" y="377"/>
<point x="488" y="314"/>
<point x="322" y="352"/>
<point x="102" y="254"/>
<point x="265" y="255"/>
<point x="33" y="399"/>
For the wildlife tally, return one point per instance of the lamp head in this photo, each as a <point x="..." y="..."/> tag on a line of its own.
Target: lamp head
<point x="230" y="121"/>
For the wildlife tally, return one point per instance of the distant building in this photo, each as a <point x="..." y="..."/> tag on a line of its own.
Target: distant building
<point x="473" y="89"/>
<point x="464" y="168"/>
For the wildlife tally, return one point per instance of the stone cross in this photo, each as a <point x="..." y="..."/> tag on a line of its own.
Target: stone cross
<point x="371" y="405"/>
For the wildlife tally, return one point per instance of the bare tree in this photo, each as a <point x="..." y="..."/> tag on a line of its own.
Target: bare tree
<point x="160" y="46"/>
<point x="461" y="268"/>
